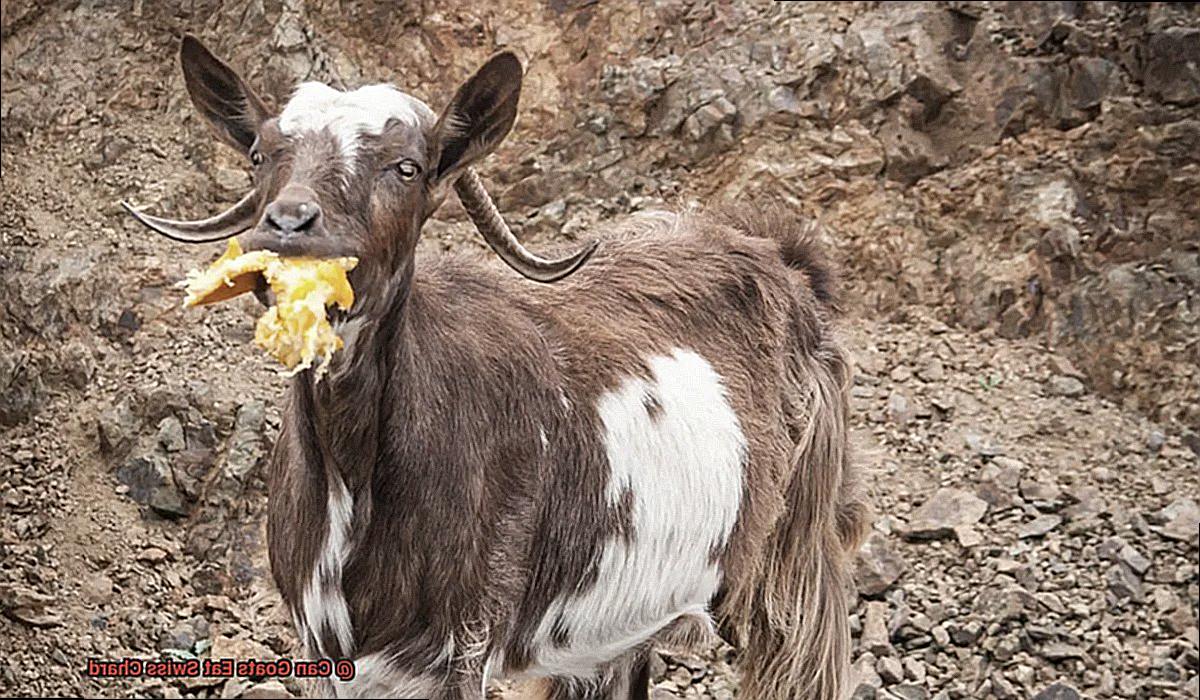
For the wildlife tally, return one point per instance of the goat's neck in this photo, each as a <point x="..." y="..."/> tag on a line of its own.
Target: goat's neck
<point x="344" y="406"/>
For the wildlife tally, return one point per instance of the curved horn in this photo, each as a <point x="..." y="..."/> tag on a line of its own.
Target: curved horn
<point x="238" y="218"/>
<point x="483" y="212"/>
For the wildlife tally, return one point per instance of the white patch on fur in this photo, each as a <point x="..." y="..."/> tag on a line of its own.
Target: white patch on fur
<point x="493" y="665"/>
<point x="377" y="677"/>
<point x="448" y="650"/>
<point x="562" y="398"/>
<point x="542" y="435"/>
<point x="684" y="467"/>
<point x="325" y="605"/>
<point x="367" y="110"/>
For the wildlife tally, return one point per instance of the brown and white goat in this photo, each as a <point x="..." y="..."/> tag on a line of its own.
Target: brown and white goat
<point x="499" y="478"/>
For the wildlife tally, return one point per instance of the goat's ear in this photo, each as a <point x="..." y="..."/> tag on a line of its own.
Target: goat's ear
<point x="221" y="95"/>
<point x="480" y="115"/>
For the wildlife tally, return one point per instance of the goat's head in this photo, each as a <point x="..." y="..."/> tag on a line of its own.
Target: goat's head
<point x="356" y="173"/>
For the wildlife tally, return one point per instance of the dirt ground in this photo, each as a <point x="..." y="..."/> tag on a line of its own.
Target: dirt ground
<point x="1012" y="189"/>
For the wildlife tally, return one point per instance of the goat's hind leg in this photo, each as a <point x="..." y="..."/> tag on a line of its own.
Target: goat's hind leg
<point x="627" y="678"/>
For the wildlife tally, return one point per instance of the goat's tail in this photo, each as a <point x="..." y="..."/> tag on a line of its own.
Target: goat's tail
<point x="794" y="627"/>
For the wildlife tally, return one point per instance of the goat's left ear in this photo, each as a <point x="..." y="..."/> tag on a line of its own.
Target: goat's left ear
<point x="479" y="117"/>
<point x="231" y="107"/>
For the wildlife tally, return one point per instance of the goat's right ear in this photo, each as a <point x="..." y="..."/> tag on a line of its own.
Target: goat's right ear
<point x="480" y="115"/>
<point x="225" y="100"/>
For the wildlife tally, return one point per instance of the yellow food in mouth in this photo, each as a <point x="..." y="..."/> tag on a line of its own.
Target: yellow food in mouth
<point x="295" y="331"/>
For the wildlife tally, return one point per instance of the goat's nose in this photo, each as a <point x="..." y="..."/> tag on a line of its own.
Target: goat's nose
<point x="288" y="217"/>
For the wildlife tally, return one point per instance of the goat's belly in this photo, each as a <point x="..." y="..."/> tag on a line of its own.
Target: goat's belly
<point x="676" y="451"/>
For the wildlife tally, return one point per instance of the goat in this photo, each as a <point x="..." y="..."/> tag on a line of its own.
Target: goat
<point x="500" y="479"/>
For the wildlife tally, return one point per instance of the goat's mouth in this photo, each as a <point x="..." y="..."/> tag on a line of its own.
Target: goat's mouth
<point x="308" y="246"/>
<point x="318" y="246"/>
<point x="266" y="297"/>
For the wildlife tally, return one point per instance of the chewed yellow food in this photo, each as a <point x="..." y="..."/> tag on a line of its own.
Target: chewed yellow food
<point x="295" y="330"/>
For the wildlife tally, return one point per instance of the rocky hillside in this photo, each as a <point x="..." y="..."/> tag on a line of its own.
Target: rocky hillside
<point x="1012" y="189"/>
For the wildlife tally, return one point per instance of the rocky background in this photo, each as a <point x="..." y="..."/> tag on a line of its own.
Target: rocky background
<point x="1012" y="189"/>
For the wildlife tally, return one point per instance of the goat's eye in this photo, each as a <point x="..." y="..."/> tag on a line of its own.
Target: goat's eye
<point x="256" y="156"/>
<point x="407" y="169"/>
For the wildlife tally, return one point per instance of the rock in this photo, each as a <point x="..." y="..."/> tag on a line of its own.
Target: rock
<point x="170" y="434"/>
<point x="980" y="444"/>
<point x="245" y="444"/>
<point x="1057" y="691"/>
<point x="968" y="536"/>
<point x="1132" y="558"/>
<point x="945" y="510"/>
<point x="1191" y="689"/>
<point x="200" y="432"/>
<point x="21" y="388"/>
<point x="152" y="555"/>
<point x="875" y="637"/>
<point x="1123" y="583"/>
<point x="998" y="481"/>
<point x="1160" y="486"/>
<point x="890" y="670"/>
<point x="1089" y="80"/>
<point x="555" y="211"/>
<point x="234" y="687"/>
<point x="1181" y="521"/>
<point x="910" y="154"/>
<point x="1065" y="386"/>
<point x="1062" y="365"/>
<point x="28" y="606"/>
<point x="711" y="127"/>
<point x="117" y="427"/>
<point x="899" y="411"/>
<point x="143" y="474"/>
<point x="1039" y="526"/>
<point x="76" y="364"/>
<point x="908" y="625"/>
<point x="863" y="678"/>
<point x="908" y="691"/>
<point x="190" y="469"/>
<point x="231" y="180"/>
<point x="914" y="670"/>
<point x="1043" y="492"/>
<point x="239" y="648"/>
<point x="1004" y="604"/>
<point x="1155" y="441"/>
<point x="168" y="503"/>
<point x="35" y="617"/>
<point x="1009" y="470"/>
<point x="1172" y="68"/>
<point x="1087" y="501"/>
<point x="782" y="105"/>
<point x="182" y="637"/>
<point x="877" y="566"/>
<point x="1058" y="651"/>
<point x="864" y="157"/>
<point x="266" y="689"/>
<point x="932" y="370"/>
<point x="148" y="477"/>
<point x="96" y="589"/>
